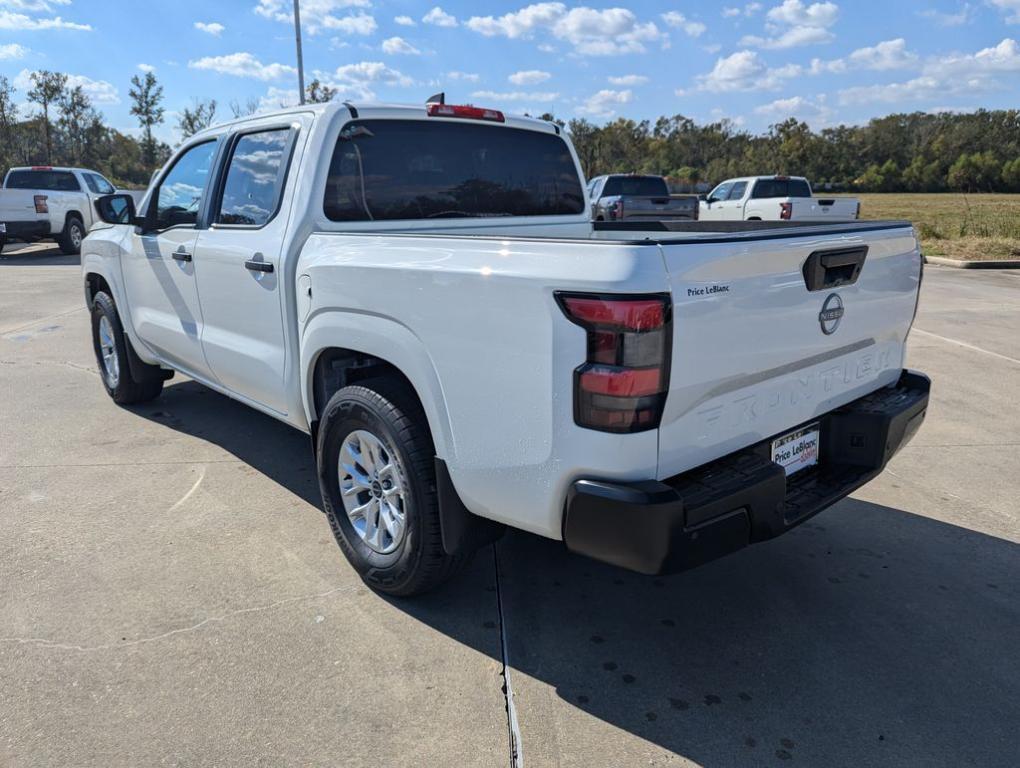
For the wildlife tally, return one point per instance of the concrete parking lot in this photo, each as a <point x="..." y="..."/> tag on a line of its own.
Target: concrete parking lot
<point x="171" y="593"/>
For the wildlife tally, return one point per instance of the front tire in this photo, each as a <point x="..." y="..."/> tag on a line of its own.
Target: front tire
<point x="376" y="465"/>
<point x="112" y="348"/>
<point x="70" y="239"/>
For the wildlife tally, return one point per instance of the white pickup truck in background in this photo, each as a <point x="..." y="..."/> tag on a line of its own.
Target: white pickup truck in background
<point x="43" y="202"/>
<point x="774" y="198"/>
<point x="422" y="290"/>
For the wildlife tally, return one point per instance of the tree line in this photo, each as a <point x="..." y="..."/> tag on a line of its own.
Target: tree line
<point x="61" y="126"/>
<point x="916" y="152"/>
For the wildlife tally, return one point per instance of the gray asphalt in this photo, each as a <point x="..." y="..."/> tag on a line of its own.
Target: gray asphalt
<point x="172" y="594"/>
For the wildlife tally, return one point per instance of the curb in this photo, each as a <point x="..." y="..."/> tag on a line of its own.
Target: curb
<point x="986" y="264"/>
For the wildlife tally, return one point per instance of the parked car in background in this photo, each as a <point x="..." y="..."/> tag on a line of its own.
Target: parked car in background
<point x="631" y="197"/>
<point x="422" y="290"/>
<point x="774" y="198"/>
<point x="43" y="202"/>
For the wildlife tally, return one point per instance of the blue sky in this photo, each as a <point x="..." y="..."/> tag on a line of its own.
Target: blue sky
<point x="756" y="63"/>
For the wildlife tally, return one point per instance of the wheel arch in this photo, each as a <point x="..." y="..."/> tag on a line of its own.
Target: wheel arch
<point x="340" y="348"/>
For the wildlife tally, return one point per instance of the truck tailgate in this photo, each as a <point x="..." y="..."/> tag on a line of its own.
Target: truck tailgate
<point x="757" y="353"/>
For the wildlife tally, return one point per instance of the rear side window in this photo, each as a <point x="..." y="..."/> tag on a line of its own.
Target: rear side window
<point x="254" y="178"/>
<point x="98" y="184"/>
<point x="384" y="170"/>
<point x="765" y="188"/>
<point x="53" y="181"/>
<point x="737" y="192"/>
<point x="636" y="186"/>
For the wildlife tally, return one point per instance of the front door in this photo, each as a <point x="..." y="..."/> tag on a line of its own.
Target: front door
<point x="238" y="261"/>
<point x="159" y="274"/>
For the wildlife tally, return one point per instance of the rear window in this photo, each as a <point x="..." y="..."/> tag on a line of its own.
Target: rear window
<point x="781" y="188"/>
<point x="636" y="186"/>
<point x="54" y="181"/>
<point x="383" y="170"/>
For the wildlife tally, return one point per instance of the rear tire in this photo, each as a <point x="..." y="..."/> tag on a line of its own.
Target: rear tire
<point x="375" y="454"/>
<point x="70" y="239"/>
<point x="112" y="349"/>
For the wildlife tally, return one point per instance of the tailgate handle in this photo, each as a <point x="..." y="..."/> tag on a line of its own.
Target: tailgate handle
<point x="831" y="269"/>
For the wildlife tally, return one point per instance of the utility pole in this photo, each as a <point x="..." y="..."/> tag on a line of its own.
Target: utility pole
<point x="300" y="58"/>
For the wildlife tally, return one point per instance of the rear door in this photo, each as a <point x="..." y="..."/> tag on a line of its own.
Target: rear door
<point x="753" y="354"/>
<point x="238" y="263"/>
<point x="159" y="273"/>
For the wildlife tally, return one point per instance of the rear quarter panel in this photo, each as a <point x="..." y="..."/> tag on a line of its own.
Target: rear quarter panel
<point x="474" y="324"/>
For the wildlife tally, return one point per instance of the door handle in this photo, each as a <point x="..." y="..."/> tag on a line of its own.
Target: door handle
<point x="258" y="266"/>
<point x="182" y="256"/>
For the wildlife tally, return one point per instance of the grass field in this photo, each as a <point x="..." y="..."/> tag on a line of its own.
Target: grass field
<point x="955" y="225"/>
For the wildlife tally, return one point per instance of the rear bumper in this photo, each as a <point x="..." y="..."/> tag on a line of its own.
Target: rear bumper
<point x="27" y="230"/>
<point x="658" y="527"/>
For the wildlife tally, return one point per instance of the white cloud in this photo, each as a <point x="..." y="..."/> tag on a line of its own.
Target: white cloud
<point x="889" y="54"/>
<point x="278" y="98"/>
<point x="356" y="81"/>
<point x="243" y="64"/>
<point x="398" y="45"/>
<point x="405" y="21"/>
<point x="535" y="96"/>
<point x="794" y="23"/>
<point x="814" y="110"/>
<point x="604" y="103"/>
<point x="948" y="19"/>
<point x="13" y="51"/>
<point x="745" y="71"/>
<point x="468" y="77"/>
<point x="146" y="68"/>
<point x="958" y="74"/>
<point x="529" y="77"/>
<point x="1010" y="7"/>
<point x="99" y="91"/>
<point x="33" y="6"/>
<point x="317" y="15"/>
<point x="440" y="18"/>
<point x="21" y="22"/>
<point x="748" y="10"/>
<point x="591" y="32"/>
<point x="679" y="21"/>
<point x="213" y="28"/>
<point x="628" y="80"/>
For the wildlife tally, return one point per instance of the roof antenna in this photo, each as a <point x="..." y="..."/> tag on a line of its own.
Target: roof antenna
<point x="439" y="98"/>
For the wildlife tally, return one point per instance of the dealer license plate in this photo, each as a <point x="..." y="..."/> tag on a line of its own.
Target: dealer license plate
<point x="797" y="450"/>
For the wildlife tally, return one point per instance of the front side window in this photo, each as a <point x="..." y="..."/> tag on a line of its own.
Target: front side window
<point x="51" y="181"/>
<point x="182" y="189"/>
<point x="254" y="178"/>
<point x="384" y="170"/>
<point x="720" y="192"/>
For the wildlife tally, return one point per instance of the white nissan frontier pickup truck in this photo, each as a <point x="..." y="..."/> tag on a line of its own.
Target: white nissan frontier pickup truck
<point x="420" y="289"/>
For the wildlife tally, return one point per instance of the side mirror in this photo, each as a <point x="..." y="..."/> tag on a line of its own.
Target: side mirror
<point x="703" y="197"/>
<point x="117" y="209"/>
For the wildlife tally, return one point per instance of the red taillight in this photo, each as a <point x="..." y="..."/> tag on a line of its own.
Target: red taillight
<point x="42" y="167"/>
<point x="622" y="385"/>
<point x="463" y="111"/>
<point x="617" y="210"/>
<point x="41" y="206"/>
<point x="785" y="211"/>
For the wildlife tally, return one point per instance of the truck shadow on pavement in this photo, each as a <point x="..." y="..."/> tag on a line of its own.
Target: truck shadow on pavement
<point x="868" y="636"/>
